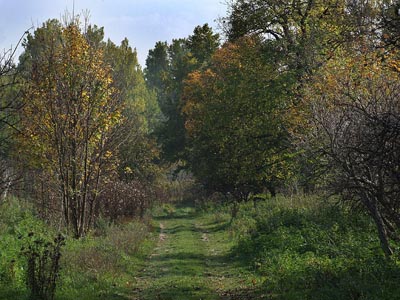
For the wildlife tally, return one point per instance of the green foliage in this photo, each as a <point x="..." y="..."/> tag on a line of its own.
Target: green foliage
<point x="157" y="66"/>
<point x="309" y="249"/>
<point x="138" y="151"/>
<point x="94" y="266"/>
<point x="235" y="121"/>
<point x="297" y="30"/>
<point x="203" y="43"/>
<point x="171" y="133"/>
<point x="17" y="222"/>
<point x="167" y="66"/>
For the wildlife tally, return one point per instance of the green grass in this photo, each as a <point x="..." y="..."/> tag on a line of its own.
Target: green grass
<point x="96" y="267"/>
<point x="308" y="248"/>
<point x="192" y="260"/>
<point x="105" y="266"/>
<point x="283" y="248"/>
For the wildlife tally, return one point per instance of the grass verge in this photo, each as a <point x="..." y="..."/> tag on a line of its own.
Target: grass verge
<point x="99" y="266"/>
<point x="310" y="248"/>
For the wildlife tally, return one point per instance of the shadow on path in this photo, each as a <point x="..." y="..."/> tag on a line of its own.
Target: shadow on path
<point x="184" y="266"/>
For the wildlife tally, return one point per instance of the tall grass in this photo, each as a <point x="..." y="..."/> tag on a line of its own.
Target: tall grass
<point x="308" y="247"/>
<point x="99" y="266"/>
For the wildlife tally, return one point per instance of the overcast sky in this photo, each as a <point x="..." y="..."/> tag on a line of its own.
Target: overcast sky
<point x="143" y="22"/>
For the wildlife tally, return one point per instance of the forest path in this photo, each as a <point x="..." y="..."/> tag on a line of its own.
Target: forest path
<point x="192" y="261"/>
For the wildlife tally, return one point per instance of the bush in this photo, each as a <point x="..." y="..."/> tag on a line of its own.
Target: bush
<point x="124" y="199"/>
<point x="43" y="266"/>
<point x="89" y="268"/>
<point x="19" y="274"/>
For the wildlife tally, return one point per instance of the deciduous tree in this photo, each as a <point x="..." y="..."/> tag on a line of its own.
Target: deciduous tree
<point x="10" y="104"/>
<point x="355" y="126"/>
<point x="234" y="120"/>
<point x="69" y="116"/>
<point x="138" y="150"/>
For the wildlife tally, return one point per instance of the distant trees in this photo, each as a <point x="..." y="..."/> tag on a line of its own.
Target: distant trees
<point x="167" y="66"/>
<point x="137" y="150"/>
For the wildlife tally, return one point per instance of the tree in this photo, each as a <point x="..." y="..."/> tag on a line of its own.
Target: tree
<point x="354" y="124"/>
<point x="300" y="37"/>
<point x="172" y="133"/>
<point x="138" y="150"/>
<point x="69" y="117"/>
<point x="203" y="43"/>
<point x="235" y="123"/>
<point x="10" y="104"/>
<point x="298" y="30"/>
<point x="391" y="24"/>
<point x="157" y="66"/>
<point x="167" y="68"/>
<point x="305" y="34"/>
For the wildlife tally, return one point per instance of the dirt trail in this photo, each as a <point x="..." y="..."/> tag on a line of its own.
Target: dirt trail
<point x="191" y="261"/>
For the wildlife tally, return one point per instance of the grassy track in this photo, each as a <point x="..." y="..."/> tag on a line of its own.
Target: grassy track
<point x="192" y="261"/>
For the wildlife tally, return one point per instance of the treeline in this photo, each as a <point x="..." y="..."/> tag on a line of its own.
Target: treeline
<point x="296" y="96"/>
<point x="301" y="96"/>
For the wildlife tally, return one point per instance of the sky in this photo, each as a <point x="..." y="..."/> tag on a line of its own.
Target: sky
<point x="143" y="22"/>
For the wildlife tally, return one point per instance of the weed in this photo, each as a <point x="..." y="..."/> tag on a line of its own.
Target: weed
<point x="128" y="238"/>
<point x="98" y="265"/>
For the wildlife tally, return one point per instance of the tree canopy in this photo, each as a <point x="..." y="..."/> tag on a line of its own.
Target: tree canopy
<point x="299" y="96"/>
<point x="237" y="137"/>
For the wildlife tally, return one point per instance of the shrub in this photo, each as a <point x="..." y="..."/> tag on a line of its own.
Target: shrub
<point x="43" y="266"/>
<point x="124" y="199"/>
<point x="16" y="221"/>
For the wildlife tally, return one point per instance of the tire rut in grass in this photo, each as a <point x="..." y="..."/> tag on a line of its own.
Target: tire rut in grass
<point x="192" y="262"/>
<point x="176" y="268"/>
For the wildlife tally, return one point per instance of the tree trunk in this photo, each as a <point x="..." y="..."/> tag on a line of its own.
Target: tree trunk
<point x="382" y="232"/>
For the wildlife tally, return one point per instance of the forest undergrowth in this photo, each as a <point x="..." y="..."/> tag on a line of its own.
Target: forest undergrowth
<point x="301" y="247"/>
